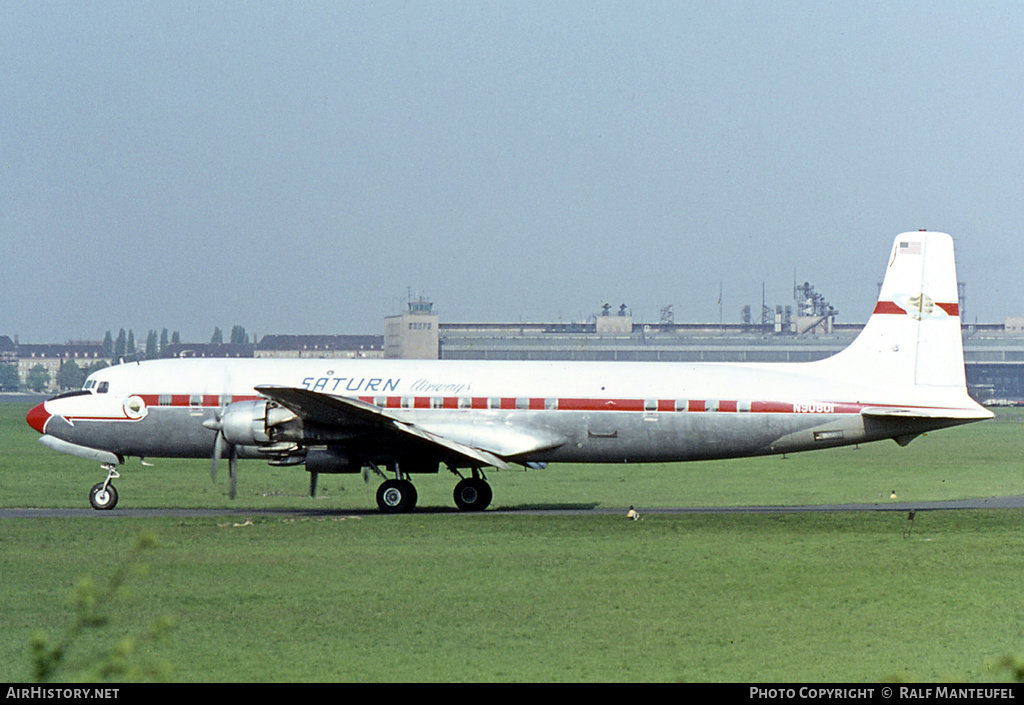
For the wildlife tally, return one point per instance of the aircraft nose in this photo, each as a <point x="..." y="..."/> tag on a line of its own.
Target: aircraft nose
<point x="37" y="417"/>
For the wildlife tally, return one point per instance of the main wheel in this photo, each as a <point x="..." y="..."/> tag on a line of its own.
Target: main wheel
<point x="472" y="495"/>
<point x="396" y="496"/>
<point x="101" y="497"/>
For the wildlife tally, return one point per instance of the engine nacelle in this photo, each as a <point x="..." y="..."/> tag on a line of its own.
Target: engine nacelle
<point x="251" y="423"/>
<point x="331" y="462"/>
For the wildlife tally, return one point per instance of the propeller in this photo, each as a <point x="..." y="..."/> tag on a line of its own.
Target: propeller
<point x="219" y="446"/>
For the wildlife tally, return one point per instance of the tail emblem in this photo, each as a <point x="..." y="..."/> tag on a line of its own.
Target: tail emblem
<point x="920" y="307"/>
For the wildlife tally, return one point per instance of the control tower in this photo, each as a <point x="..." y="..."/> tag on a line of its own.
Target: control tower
<point x="412" y="335"/>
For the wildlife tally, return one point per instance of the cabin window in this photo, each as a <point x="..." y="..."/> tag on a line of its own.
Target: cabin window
<point x="195" y="400"/>
<point x="436" y="402"/>
<point x="382" y="402"/>
<point x="494" y="403"/>
<point x="650" y="405"/>
<point x="551" y="404"/>
<point x="164" y="400"/>
<point x="681" y="405"/>
<point x="522" y="403"/>
<point x="465" y="402"/>
<point x="406" y="402"/>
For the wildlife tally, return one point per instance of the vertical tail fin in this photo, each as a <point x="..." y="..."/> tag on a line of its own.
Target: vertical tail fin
<point x="913" y="337"/>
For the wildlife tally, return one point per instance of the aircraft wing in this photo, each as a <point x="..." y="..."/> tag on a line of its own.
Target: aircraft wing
<point x="352" y="414"/>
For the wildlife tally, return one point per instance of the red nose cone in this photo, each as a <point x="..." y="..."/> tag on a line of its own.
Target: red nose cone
<point x="37" y="417"/>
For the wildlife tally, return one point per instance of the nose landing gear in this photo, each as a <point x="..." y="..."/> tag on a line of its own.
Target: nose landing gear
<point x="104" y="495"/>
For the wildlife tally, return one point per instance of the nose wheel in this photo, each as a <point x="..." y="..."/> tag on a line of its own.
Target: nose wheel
<point x="104" y="495"/>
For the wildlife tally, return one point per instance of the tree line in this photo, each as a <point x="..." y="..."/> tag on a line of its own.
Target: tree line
<point x="125" y="346"/>
<point x="122" y="347"/>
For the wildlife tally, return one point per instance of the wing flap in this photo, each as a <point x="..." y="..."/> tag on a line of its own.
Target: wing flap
<point x="478" y="454"/>
<point x="502" y="439"/>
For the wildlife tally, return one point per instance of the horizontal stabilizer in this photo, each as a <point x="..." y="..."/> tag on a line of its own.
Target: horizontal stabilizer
<point x="916" y="413"/>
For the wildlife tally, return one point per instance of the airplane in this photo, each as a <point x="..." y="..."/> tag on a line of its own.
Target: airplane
<point x="902" y="376"/>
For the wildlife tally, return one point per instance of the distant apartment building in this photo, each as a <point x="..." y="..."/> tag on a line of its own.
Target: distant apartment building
<point x="40" y="365"/>
<point x="184" y="350"/>
<point x="320" y="346"/>
<point x="8" y="350"/>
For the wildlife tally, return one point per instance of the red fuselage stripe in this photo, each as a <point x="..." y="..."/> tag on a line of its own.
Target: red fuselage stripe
<point x="196" y="401"/>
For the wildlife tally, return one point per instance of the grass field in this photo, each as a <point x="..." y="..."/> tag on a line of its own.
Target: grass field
<point x="441" y="596"/>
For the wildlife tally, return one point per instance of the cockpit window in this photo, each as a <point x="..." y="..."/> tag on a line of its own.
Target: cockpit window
<point x="103" y="388"/>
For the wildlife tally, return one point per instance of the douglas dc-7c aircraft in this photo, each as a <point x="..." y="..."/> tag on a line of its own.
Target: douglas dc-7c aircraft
<point x="902" y="376"/>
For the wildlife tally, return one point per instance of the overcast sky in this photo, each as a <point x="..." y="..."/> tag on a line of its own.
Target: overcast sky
<point x="300" y="167"/>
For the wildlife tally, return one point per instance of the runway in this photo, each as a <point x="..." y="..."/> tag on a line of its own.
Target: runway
<point x="1010" y="502"/>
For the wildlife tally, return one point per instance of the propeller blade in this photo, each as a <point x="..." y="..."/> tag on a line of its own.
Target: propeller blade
<point x="232" y="469"/>
<point x="218" y="450"/>
<point x="214" y="424"/>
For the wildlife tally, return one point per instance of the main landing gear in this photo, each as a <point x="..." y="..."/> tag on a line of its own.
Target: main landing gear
<point x="398" y="496"/>
<point x="472" y="494"/>
<point x="104" y="495"/>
